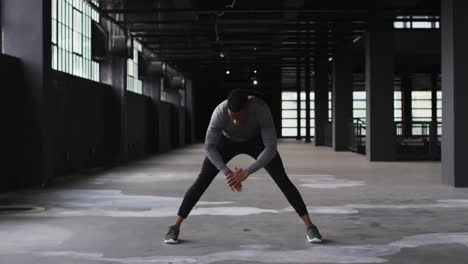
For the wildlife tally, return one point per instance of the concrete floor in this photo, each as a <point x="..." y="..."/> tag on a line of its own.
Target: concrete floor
<point x="395" y="212"/>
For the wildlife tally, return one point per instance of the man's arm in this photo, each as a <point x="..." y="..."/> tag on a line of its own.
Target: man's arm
<point x="213" y="136"/>
<point x="268" y="133"/>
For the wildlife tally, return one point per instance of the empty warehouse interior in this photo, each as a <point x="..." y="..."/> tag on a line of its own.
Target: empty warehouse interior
<point x="354" y="114"/>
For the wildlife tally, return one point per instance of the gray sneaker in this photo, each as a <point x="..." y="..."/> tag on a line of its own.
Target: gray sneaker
<point x="172" y="236"/>
<point x="313" y="234"/>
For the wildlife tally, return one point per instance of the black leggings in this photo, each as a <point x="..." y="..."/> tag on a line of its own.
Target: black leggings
<point x="228" y="150"/>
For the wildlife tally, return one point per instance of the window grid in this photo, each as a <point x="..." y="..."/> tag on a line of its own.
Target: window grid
<point x="359" y="105"/>
<point x="421" y="107"/>
<point x="71" y="38"/>
<point x="421" y="104"/>
<point x="416" y="22"/>
<point x="439" y="112"/>
<point x="289" y="114"/>
<point x="134" y="84"/>
<point x="397" y="106"/>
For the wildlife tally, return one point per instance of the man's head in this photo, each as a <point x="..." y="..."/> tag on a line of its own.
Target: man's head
<point x="238" y="106"/>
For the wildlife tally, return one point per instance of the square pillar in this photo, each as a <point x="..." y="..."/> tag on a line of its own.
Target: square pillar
<point x="307" y="99"/>
<point x="26" y="35"/>
<point x="321" y="85"/>
<point x="321" y="98"/>
<point x="455" y="92"/>
<point x="298" y="98"/>
<point x="406" y="107"/>
<point x="342" y="93"/>
<point x="114" y="73"/>
<point x="380" y="125"/>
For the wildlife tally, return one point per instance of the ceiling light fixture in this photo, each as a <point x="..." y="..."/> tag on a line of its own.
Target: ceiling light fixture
<point x="356" y="39"/>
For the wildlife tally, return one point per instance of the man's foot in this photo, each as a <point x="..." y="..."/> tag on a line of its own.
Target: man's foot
<point x="313" y="234"/>
<point x="172" y="236"/>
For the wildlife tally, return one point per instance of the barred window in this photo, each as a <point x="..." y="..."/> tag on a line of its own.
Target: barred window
<point x="71" y="38"/>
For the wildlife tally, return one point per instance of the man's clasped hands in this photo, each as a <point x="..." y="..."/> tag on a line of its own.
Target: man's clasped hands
<point x="235" y="178"/>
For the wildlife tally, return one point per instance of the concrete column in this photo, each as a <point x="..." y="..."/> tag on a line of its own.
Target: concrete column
<point x="342" y="92"/>
<point x="321" y="98"/>
<point x="151" y="89"/>
<point x="455" y="94"/>
<point x="307" y="99"/>
<point x="321" y="86"/>
<point x="190" y="106"/>
<point x="307" y="89"/>
<point x="114" y="73"/>
<point x="26" y="29"/>
<point x="433" y="127"/>
<point x="406" y="107"/>
<point x="380" y="125"/>
<point x="298" y="99"/>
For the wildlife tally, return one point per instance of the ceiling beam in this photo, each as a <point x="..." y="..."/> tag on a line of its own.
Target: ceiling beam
<point x="346" y="11"/>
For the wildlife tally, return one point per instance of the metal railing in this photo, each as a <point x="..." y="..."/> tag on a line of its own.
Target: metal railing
<point x="328" y="134"/>
<point x="357" y="136"/>
<point x="425" y="144"/>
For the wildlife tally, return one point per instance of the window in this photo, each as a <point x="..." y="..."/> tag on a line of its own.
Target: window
<point x="439" y="113"/>
<point x="421" y="110"/>
<point x="163" y="93"/>
<point x="416" y="22"/>
<point x="71" y="38"/>
<point x="134" y="84"/>
<point x="289" y="114"/>
<point x="359" y="105"/>
<point x="289" y="110"/>
<point x="397" y="106"/>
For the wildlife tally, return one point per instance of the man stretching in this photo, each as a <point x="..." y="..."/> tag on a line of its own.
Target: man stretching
<point x="241" y="124"/>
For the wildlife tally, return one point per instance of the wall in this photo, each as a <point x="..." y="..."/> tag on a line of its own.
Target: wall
<point x="31" y="122"/>
<point x="190" y="110"/>
<point x="58" y="124"/>
<point x="417" y="50"/>
<point x="18" y="126"/>
<point x="181" y="129"/>
<point x="165" y="131"/>
<point x="151" y="89"/>
<point x="178" y="115"/>
<point x="86" y="123"/>
<point x="140" y="125"/>
<point x="6" y="118"/>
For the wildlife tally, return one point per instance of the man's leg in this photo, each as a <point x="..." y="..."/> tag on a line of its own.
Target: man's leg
<point x="206" y="176"/>
<point x="276" y="170"/>
<point x="193" y="194"/>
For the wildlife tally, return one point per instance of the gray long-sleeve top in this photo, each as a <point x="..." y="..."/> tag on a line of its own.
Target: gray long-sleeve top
<point x="259" y="121"/>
